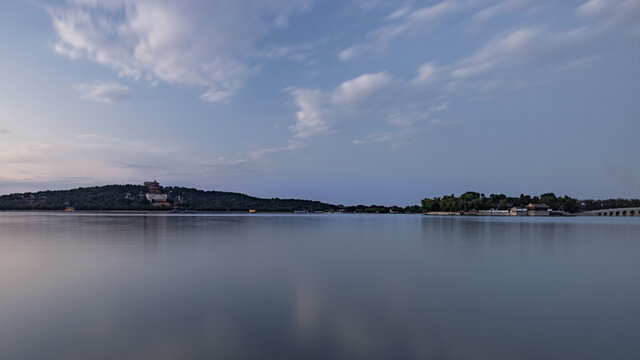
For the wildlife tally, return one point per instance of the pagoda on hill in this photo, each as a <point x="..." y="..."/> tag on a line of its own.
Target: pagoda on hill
<point x="155" y="195"/>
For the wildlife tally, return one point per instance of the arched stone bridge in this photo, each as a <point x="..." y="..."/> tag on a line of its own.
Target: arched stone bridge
<point x="615" y="212"/>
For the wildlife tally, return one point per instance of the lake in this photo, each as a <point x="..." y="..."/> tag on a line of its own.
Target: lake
<point x="317" y="286"/>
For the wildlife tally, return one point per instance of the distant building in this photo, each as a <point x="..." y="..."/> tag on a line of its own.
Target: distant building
<point x="518" y="211"/>
<point x="153" y="187"/>
<point x="155" y="195"/>
<point x="537" y="209"/>
<point x="153" y="198"/>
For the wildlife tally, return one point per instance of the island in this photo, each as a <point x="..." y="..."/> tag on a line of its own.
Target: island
<point x="547" y="204"/>
<point x="151" y="196"/>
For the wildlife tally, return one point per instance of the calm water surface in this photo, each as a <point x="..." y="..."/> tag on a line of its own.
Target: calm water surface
<point x="135" y="286"/>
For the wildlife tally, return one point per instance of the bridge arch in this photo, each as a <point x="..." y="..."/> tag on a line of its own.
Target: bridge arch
<point x="628" y="211"/>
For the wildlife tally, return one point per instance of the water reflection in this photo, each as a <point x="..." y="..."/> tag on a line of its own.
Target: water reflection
<point x="317" y="286"/>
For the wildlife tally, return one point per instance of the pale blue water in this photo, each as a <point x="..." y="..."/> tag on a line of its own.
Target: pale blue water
<point x="134" y="286"/>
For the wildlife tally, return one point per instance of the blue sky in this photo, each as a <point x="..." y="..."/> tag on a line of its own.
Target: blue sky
<point x="354" y="101"/>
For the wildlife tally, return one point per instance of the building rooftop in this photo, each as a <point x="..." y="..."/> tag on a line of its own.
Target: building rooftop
<point x="537" y="206"/>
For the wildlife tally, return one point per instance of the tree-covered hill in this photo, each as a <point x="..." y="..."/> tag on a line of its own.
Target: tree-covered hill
<point x="228" y="201"/>
<point x="131" y="197"/>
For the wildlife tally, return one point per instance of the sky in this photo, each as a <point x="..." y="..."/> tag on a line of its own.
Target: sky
<point x="349" y="102"/>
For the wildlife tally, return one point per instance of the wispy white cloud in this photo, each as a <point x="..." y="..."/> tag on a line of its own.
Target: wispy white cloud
<point x="380" y="99"/>
<point x="612" y="15"/>
<point x="518" y="45"/>
<point x="319" y="111"/>
<point x="403" y="21"/>
<point x="354" y="92"/>
<point x="298" y="52"/>
<point x="511" y="59"/>
<point x="312" y="117"/>
<point x="601" y="16"/>
<point x="259" y="154"/>
<point x="24" y="152"/>
<point x="498" y="9"/>
<point x="207" y="44"/>
<point x="375" y="137"/>
<point x="428" y="73"/>
<point x="103" y="92"/>
<point x="519" y="51"/>
<point x="90" y="158"/>
<point x="593" y="7"/>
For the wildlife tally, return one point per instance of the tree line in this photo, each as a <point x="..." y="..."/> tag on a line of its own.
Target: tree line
<point x="471" y="200"/>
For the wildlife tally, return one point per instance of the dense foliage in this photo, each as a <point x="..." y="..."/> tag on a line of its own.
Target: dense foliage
<point x="110" y="197"/>
<point x="609" y="204"/>
<point x="476" y="201"/>
<point x="114" y="197"/>
<point x="228" y="201"/>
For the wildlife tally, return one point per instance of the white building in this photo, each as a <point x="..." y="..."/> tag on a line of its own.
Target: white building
<point x="154" y="198"/>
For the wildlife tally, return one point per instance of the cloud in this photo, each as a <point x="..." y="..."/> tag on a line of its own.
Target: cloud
<point x="103" y="92"/>
<point x="311" y="118"/>
<point x="381" y="99"/>
<point x="395" y="108"/>
<point x="612" y="16"/>
<point x="404" y="21"/>
<point x="259" y="154"/>
<point x="376" y="137"/>
<point x="298" y="52"/>
<point x="531" y="50"/>
<point x="319" y="111"/>
<point x="25" y="152"/>
<point x="428" y="74"/>
<point x="354" y="92"/>
<point x="601" y="15"/>
<point x="89" y="159"/>
<point x="593" y="7"/>
<point x="518" y="45"/>
<point x="501" y="8"/>
<point x="206" y="44"/>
